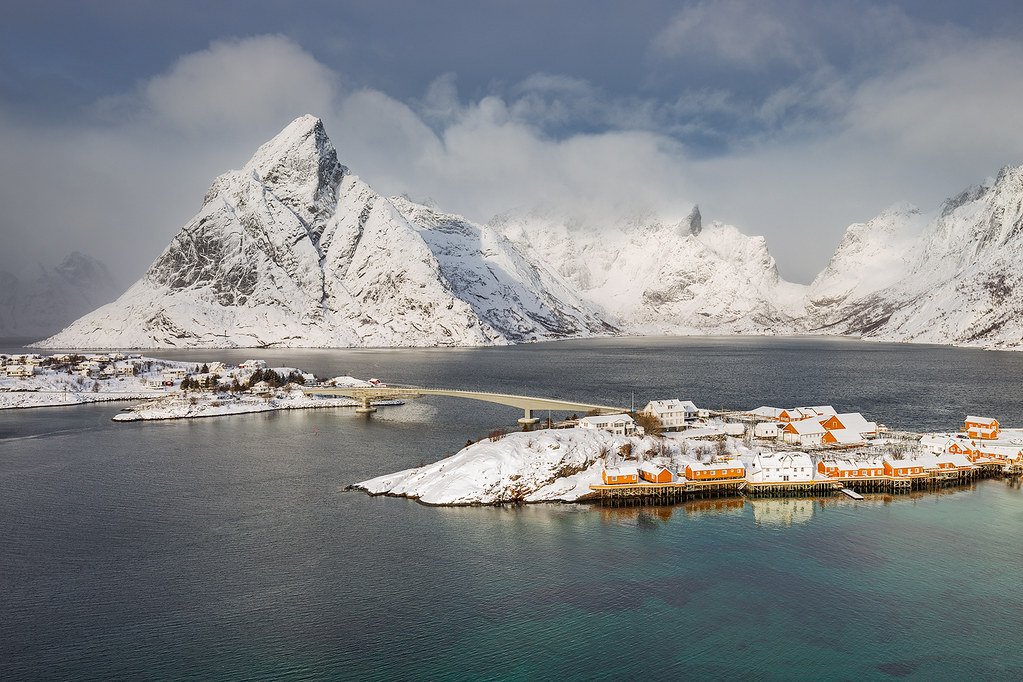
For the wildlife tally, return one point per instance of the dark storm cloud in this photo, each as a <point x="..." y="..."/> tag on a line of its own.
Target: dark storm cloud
<point x="790" y="119"/>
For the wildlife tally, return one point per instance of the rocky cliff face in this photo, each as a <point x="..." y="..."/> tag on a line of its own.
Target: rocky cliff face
<point x="295" y="250"/>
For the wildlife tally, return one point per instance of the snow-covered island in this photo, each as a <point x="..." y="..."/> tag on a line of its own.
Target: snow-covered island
<point x="247" y="389"/>
<point x="563" y="464"/>
<point x="171" y="389"/>
<point x="180" y="406"/>
<point x="546" y="465"/>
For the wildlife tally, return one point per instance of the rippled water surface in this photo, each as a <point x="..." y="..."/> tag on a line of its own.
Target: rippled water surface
<point x="225" y="548"/>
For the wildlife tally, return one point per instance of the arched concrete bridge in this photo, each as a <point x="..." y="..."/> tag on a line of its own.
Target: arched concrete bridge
<point x="367" y="394"/>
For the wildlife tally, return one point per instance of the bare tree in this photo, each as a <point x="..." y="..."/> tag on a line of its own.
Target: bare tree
<point x="651" y="425"/>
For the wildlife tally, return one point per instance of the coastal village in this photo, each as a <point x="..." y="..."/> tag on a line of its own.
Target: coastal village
<point x="160" y="389"/>
<point x="799" y="450"/>
<point x="667" y="451"/>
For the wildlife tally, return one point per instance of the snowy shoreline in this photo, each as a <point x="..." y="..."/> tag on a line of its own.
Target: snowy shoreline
<point x="7" y="402"/>
<point x="179" y="407"/>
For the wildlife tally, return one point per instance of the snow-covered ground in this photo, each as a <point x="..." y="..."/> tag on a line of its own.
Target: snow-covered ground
<point x="48" y="387"/>
<point x="519" y="467"/>
<point x="539" y="466"/>
<point x="197" y="405"/>
<point x="57" y="380"/>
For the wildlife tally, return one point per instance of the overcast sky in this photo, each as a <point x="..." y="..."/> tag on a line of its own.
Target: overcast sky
<point x="787" y="119"/>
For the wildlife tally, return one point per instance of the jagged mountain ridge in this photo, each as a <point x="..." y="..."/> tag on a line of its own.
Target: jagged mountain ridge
<point x="954" y="275"/>
<point x="658" y="277"/>
<point x="53" y="298"/>
<point x="295" y="250"/>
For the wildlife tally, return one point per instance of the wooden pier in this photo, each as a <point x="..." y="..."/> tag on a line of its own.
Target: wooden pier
<point x="793" y="488"/>
<point x="681" y="491"/>
<point x="653" y="493"/>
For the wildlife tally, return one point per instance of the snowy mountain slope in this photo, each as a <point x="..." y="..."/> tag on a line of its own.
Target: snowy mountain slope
<point x="294" y="250"/>
<point x="958" y="282"/>
<point x="52" y="299"/>
<point x="659" y="277"/>
<point x="505" y="288"/>
<point x="870" y="257"/>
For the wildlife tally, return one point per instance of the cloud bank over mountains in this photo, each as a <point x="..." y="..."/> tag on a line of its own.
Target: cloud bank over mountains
<point x="791" y="121"/>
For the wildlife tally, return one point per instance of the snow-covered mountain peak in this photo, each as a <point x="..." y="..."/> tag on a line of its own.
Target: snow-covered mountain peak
<point x="898" y="209"/>
<point x="301" y="167"/>
<point x="300" y="142"/>
<point x="294" y="250"/>
<point x="658" y="275"/>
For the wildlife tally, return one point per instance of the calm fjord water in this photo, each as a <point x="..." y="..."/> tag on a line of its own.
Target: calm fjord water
<point x="225" y="548"/>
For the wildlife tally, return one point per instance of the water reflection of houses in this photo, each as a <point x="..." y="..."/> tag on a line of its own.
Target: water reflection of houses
<point x="637" y="515"/>
<point x="722" y="505"/>
<point x="649" y="514"/>
<point x="782" y="511"/>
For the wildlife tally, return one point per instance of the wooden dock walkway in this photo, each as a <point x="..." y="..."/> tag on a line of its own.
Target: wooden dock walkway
<point x="681" y="491"/>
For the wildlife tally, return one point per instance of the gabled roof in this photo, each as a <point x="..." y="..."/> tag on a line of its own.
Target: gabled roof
<point x="655" y="469"/>
<point x="605" y="419"/>
<point x="847" y="464"/>
<point x="783" y="459"/>
<point x="908" y="461"/>
<point x="624" y="470"/>
<point x="765" y="411"/>
<point x="999" y="450"/>
<point x="853" y="421"/>
<point x="719" y="464"/>
<point x="672" y="405"/>
<point x="805" y="427"/>
<point x="812" y="411"/>
<point x="984" y="421"/>
<point x="846" y="436"/>
<point x="958" y="460"/>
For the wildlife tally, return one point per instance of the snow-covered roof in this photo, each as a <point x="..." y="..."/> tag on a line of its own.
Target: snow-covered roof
<point x="606" y="419"/>
<point x="347" y="382"/>
<point x="919" y="460"/>
<point x="623" y="470"/>
<point x="671" y="405"/>
<point x="957" y="459"/>
<point x="653" y="469"/>
<point x="984" y="421"/>
<point x="854" y="421"/>
<point x="805" y="427"/>
<point x="812" y="411"/>
<point x="718" y="464"/>
<point x="765" y="411"/>
<point x="848" y="464"/>
<point x="846" y="436"/>
<point x="782" y="459"/>
<point x="999" y="450"/>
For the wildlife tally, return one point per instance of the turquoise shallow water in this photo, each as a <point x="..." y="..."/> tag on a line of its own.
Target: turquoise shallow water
<point x="225" y="548"/>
